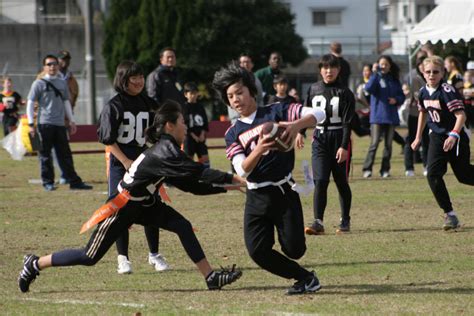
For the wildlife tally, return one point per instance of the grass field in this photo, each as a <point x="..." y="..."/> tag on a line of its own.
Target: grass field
<point x="396" y="260"/>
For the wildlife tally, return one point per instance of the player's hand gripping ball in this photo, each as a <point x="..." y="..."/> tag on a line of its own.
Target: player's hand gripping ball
<point x="273" y="131"/>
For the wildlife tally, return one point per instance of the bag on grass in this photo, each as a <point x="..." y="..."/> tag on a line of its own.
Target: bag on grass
<point x="13" y="143"/>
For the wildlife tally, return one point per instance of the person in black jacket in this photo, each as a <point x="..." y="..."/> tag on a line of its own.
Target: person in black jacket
<point x="162" y="83"/>
<point x="121" y="128"/>
<point x="138" y="203"/>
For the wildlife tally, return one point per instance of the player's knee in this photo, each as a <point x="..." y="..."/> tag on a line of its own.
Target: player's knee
<point x="183" y="227"/>
<point x="321" y="183"/>
<point x="88" y="261"/>
<point x="295" y="252"/>
<point x="259" y="254"/>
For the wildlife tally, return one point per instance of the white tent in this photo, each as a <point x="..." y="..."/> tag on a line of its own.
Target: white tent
<point x="450" y="20"/>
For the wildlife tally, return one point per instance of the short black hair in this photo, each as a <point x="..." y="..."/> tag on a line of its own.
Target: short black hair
<point x="329" y="60"/>
<point x="190" y="87"/>
<point x="231" y="74"/>
<point x="166" y="49"/>
<point x="125" y="70"/>
<point x="169" y="111"/>
<point x="49" y="56"/>
<point x="280" y="79"/>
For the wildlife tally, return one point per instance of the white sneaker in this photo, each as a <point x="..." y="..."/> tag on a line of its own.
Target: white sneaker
<point x="159" y="262"/>
<point x="425" y="172"/>
<point x="410" y="173"/>
<point x="367" y="174"/>
<point x="385" y="174"/>
<point x="124" y="266"/>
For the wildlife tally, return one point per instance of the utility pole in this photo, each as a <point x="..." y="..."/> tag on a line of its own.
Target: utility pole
<point x="377" y="23"/>
<point x="90" y="60"/>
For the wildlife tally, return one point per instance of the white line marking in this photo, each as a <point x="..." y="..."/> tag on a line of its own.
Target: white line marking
<point x="31" y="299"/>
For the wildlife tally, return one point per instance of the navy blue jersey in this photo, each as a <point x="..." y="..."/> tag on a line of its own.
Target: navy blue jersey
<point x="241" y="138"/>
<point x="195" y="118"/>
<point x="440" y="106"/>
<point x="337" y="102"/>
<point x="123" y="121"/>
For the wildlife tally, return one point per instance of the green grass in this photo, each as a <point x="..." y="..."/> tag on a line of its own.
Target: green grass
<point x="396" y="260"/>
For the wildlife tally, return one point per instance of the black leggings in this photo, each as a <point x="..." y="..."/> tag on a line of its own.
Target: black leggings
<point x="156" y="214"/>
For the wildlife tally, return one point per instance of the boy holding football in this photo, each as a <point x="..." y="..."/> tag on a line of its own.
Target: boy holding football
<point x="271" y="203"/>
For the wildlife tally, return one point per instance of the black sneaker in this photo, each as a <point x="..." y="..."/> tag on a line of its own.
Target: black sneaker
<point x="80" y="186"/>
<point x="344" y="226"/>
<point x="317" y="228"/>
<point x="29" y="272"/>
<point x="451" y="222"/>
<point x="217" y="279"/>
<point x="309" y="284"/>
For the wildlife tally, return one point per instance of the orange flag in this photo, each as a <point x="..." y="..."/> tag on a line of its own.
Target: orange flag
<point x="164" y="195"/>
<point x="106" y="210"/>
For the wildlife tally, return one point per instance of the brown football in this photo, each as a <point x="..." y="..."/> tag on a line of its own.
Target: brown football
<point x="273" y="131"/>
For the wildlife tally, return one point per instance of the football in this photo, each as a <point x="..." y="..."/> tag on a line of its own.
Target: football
<point x="273" y="131"/>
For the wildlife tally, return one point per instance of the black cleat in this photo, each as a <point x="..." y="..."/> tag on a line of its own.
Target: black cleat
<point x="309" y="284"/>
<point x="316" y="228"/>
<point x="80" y="186"/>
<point x="344" y="226"/>
<point x="29" y="272"/>
<point x="451" y="222"/>
<point x="217" y="279"/>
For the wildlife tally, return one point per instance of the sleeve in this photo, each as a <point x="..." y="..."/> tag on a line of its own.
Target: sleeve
<point x="73" y="90"/>
<point x="195" y="187"/>
<point x="68" y="109"/>
<point x="204" y="117"/>
<point x="33" y="95"/>
<point x="399" y="95"/>
<point x="152" y="82"/>
<point x="109" y="123"/>
<point x="421" y="105"/>
<point x="347" y="116"/>
<point x="451" y="97"/>
<point x="65" y="95"/>
<point x="372" y="86"/>
<point x="233" y="147"/>
<point x="288" y="111"/>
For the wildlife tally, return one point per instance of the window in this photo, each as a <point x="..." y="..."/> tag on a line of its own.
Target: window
<point x="328" y="17"/>
<point x="383" y="16"/>
<point x="58" y="11"/>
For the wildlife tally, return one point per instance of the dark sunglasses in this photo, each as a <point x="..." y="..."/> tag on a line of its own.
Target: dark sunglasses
<point x="53" y="63"/>
<point x="432" y="72"/>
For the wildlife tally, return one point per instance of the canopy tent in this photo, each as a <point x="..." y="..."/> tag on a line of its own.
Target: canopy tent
<point x="450" y="20"/>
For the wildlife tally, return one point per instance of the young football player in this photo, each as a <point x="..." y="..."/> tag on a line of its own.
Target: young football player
<point x="331" y="143"/>
<point x="11" y="101"/>
<point x="139" y="203"/>
<point x="280" y="84"/>
<point x="121" y="128"/>
<point x="196" y="120"/>
<point x="270" y="203"/>
<point x="442" y="106"/>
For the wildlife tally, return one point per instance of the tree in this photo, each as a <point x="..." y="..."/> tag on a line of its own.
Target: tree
<point x="205" y="33"/>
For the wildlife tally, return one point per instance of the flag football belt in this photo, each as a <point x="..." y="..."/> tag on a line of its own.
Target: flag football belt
<point x="255" y="185"/>
<point x="323" y="129"/>
<point x="107" y="210"/>
<point x="162" y="191"/>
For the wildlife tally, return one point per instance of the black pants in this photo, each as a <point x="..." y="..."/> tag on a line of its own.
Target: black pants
<point x="409" y="154"/>
<point x="116" y="173"/>
<point x="156" y="214"/>
<point x="376" y="131"/>
<point x="325" y="146"/>
<point x="9" y="122"/>
<point x="269" y="208"/>
<point x="53" y="136"/>
<point x="438" y="164"/>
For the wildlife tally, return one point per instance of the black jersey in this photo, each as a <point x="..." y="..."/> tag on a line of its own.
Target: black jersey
<point x="286" y="99"/>
<point x="11" y="102"/>
<point x="440" y="105"/>
<point x="195" y="118"/>
<point x="242" y="137"/>
<point x="166" y="162"/>
<point x="124" y="119"/>
<point x="339" y="104"/>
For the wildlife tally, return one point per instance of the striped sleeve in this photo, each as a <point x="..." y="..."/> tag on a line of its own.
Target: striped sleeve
<point x="234" y="149"/>
<point x="294" y="111"/>
<point x="455" y="105"/>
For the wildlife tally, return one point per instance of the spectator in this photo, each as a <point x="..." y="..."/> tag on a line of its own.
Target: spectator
<point x="454" y="73"/>
<point x="345" y="73"/>
<point x="11" y="101"/>
<point x="386" y="95"/>
<point x="360" y="122"/>
<point x="52" y="95"/>
<point x="468" y="93"/>
<point x="267" y="74"/>
<point x="245" y="61"/>
<point x="294" y="93"/>
<point x="162" y="83"/>
<point x="121" y="128"/>
<point x="64" y="59"/>
<point x="280" y="84"/>
<point x="196" y="120"/>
